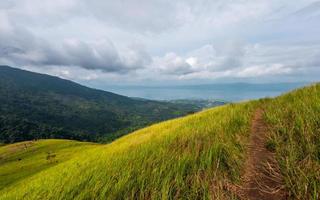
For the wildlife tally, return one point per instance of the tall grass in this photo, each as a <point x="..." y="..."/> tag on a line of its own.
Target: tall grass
<point x="187" y="158"/>
<point x="294" y="121"/>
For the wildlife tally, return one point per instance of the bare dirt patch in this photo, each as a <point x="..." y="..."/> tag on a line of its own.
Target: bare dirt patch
<point x="261" y="179"/>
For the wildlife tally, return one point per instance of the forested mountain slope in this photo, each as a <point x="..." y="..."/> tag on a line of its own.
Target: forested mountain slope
<point x="36" y="106"/>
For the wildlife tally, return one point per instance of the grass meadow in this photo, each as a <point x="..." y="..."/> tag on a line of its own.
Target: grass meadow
<point x="194" y="157"/>
<point x="21" y="160"/>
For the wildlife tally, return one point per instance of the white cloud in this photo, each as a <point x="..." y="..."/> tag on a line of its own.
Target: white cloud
<point x="192" y="61"/>
<point x="183" y="39"/>
<point x="240" y="61"/>
<point x="263" y="70"/>
<point x="172" y="64"/>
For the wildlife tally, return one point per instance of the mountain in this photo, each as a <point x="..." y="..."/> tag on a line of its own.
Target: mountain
<point x="34" y="106"/>
<point x="229" y="152"/>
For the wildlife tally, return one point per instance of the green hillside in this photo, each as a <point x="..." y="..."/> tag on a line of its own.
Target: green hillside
<point x="21" y="160"/>
<point x="34" y="106"/>
<point x="200" y="156"/>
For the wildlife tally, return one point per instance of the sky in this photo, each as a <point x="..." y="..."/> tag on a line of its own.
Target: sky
<point x="163" y="42"/>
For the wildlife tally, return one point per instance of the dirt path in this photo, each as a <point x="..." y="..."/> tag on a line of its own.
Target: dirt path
<point x="261" y="178"/>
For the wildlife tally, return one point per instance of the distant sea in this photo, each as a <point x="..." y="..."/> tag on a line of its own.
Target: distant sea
<point x="232" y="92"/>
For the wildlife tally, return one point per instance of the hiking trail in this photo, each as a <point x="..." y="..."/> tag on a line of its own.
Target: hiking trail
<point x="262" y="179"/>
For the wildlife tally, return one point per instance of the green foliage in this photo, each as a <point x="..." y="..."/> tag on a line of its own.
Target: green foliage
<point x="271" y="144"/>
<point x="34" y="106"/>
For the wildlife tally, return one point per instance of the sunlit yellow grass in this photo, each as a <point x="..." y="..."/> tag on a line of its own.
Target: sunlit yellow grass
<point x="191" y="157"/>
<point x="24" y="159"/>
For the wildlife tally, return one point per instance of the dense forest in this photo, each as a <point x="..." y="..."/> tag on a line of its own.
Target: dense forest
<point x="34" y="106"/>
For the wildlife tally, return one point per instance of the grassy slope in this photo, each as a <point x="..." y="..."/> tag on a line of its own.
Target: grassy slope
<point x="294" y="121"/>
<point x="193" y="157"/>
<point x="178" y="158"/>
<point x="21" y="160"/>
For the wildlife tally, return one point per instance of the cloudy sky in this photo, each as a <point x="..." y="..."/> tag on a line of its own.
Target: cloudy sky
<point x="98" y="42"/>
